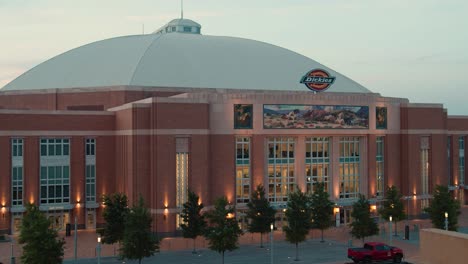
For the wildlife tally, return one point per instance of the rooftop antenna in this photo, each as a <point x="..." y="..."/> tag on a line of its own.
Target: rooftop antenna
<point x="181" y="9"/>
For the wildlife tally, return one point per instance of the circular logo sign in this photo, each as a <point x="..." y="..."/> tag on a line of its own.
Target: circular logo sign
<point x="317" y="80"/>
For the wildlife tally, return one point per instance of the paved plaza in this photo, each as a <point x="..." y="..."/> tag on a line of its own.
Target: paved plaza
<point x="178" y="250"/>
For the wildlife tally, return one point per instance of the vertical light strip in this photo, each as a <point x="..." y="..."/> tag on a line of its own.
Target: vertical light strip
<point x="242" y="169"/>
<point x="182" y="170"/>
<point x="461" y="161"/>
<point x="424" y="170"/>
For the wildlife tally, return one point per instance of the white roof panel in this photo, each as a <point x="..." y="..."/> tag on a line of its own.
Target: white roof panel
<point x="178" y="60"/>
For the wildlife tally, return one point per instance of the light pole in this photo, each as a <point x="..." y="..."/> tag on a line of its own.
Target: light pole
<point x="12" y="260"/>
<point x="271" y="243"/>
<point x="446" y="221"/>
<point x="75" y="239"/>
<point x="98" y="249"/>
<point x="390" y="231"/>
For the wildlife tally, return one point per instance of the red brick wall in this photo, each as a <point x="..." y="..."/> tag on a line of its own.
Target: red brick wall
<point x="372" y="166"/>
<point x="5" y="182"/>
<point x="70" y="98"/>
<point x="182" y="116"/>
<point x="423" y="118"/>
<point x="200" y="161"/>
<point x="223" y="171"/>
<point x="50" y="122"/>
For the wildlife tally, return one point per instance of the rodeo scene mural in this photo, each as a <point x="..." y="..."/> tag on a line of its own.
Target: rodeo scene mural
<point x="315" y="116"/>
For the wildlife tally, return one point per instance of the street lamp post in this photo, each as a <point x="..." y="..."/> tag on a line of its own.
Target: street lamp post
<point x="390" y="231"/>
<point x="12" y="259"/>
<point x="98" y="249"/>
<point x="446" y="221"/>
<point x="271" y="243"/>
<point x="75" y="239"/>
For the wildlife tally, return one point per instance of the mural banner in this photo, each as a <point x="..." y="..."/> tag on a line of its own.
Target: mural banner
<point x="243" y="116"/>
<point x="381" y="117"/>
<point x="315" y="116"/>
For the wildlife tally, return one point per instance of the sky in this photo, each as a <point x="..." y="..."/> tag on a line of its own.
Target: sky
<point x="415" y="49"/>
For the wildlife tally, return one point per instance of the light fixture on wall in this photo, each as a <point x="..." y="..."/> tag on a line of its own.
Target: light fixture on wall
<point x="336" y="210"/>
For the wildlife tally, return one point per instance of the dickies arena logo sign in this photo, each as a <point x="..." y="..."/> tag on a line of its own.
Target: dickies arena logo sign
<point x="317" y="80"/>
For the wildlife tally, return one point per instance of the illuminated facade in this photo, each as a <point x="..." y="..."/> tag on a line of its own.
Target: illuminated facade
<point x="154" y="114"/>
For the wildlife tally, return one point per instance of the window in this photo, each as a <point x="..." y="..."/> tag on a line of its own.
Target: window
<point x="187" y="29"/>
<point x="55" y="147"/>
<point x="90" y="147"/>
<point x="90" y="169"/>
<point x="17" y="178"/>
<point x="55" y="184"/>
<point x="349" y="167"/>
<point x="242" y="169"/>
<point x="380" y="167"/>
<point x="317" y="162"/>
<point x="54" y="170"/>
<point x="281" y="173"/>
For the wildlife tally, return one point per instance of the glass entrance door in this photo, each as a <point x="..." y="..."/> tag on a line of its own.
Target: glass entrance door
<point x="345" y="216"/>
<point x="91" y="219"/>
<point x="59" y="219"/>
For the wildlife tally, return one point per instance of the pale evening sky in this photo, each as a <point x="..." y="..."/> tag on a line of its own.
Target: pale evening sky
<point x="416" y="49"/>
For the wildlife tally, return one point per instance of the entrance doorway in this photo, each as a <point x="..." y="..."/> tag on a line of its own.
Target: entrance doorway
<point x="16" y="220"/>
<point x="59" y="219"/>
<point x="91" y="218"/>
<point x="345" y="216"/>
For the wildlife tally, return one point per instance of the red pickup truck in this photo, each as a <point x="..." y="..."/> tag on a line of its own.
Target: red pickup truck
<point x="374" y="251"/>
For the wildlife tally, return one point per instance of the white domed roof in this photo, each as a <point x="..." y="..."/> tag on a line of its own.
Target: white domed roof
<point x="178" y="60"/>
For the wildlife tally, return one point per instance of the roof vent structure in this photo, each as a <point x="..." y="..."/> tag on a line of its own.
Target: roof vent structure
<point x="180" y="25"/>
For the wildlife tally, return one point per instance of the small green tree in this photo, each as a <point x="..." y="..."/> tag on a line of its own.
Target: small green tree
<point x="223" y="232"/>
<point x="299" y="217"/>
<point x="115" y="212"/>
<point x="322" y="209"/>
<point x="260" y="212"/>
<point x="194" y="222"/>
<point x="363" y="225"/>
<point x="138" y="241"/>
<point x="393" y="206"/>
<point x="443" y="202"/>
<point x="40" y="241"/>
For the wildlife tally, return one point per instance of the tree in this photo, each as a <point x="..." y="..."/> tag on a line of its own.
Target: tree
<point x="322" y="209"/>
<point x="299" y="217"/>
<point x="393" y="206"/>
<point x="138" y="240"/>
<point x="260" y="212"/>
<point x="363" y="225"/>
<point x="223" y="232"/>
<point x="443" y="202"/>
<point x="115" y="212"/>
<point x="194" y="222"/>
<point x="41" y="243"/>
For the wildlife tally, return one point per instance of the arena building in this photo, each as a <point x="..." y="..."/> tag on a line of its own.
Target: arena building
<point x="155" y="114"/>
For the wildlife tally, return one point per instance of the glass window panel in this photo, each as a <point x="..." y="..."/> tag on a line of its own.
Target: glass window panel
<point x="43" y="150"/>
<point x="66" y="149"/>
